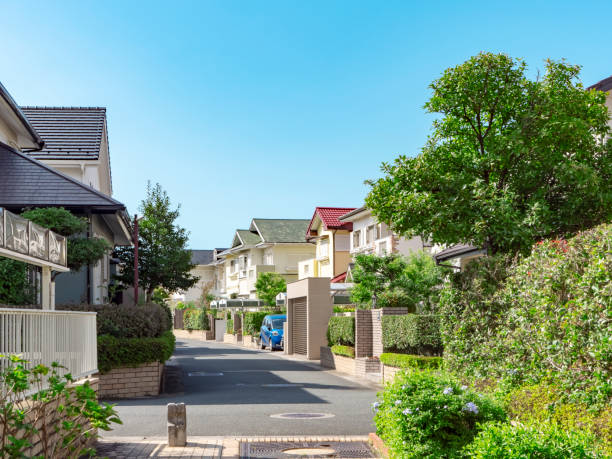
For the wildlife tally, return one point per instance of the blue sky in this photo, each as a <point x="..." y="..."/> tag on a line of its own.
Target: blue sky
<point x="267" y="109"/>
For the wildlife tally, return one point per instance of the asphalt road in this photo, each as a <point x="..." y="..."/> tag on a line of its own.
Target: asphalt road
<point x="234" y="391"/>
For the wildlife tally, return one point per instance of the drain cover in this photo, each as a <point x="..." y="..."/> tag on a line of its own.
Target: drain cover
<point x="302" y="415"/>
<point x="355" y="449"/>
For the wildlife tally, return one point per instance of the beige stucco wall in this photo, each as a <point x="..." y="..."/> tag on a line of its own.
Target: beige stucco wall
<point x="206" y="273"/>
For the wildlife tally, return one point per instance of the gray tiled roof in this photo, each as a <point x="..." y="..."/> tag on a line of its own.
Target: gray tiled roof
<point x="68" y="132"/>
<point x="24" y="181"/>
<point x="603" y="85"/>
<point x="455" y="251"/>
<point x="201" y="257"/>
<point x="281" y="229"/>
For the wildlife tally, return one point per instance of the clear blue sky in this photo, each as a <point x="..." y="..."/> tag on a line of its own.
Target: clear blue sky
<point x="246" y="109"/>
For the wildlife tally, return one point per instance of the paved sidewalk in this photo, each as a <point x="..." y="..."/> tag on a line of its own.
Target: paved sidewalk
<point x="198" y="447"/>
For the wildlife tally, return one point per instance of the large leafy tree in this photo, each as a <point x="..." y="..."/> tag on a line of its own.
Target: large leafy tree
<point x="163" y="259"/>
<point x="510" y="161"/>
<point x="268" y="285"/>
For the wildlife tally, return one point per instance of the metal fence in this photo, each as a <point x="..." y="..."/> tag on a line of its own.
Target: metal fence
<point x="44" y="337"/>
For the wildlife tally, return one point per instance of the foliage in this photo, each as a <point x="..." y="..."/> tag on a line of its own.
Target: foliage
<point x="338" y="309"/>
<point x="229" y="327"/>
<point x="346" y="351"/>
<point x="545" y="403"/>
<point x="424" y="414"/>
<point x="268" y="285"/>
<point x="196" y="319"/>
<point x="469" y="315"/>
<point x="506" y="441"/>
<point x="412" y="334"/>
<point x="164" y="260"/>
<point x="129" y="352"/>
<point x="81" y="250"/>
<point x="15" y="287"/>
<point x="341" y="330"/>
<point x="126" y="321"/>
<point x="393" y="280"/>
<point x="408" y="361"/>
<point x="161" y="297"/>
<point x="58" y="415"/>
<point x="510" y="160"/>
<point x="252" y="322"/>
<point x="180" y="305"/>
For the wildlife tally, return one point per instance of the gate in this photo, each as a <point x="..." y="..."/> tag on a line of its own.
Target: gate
<point x="300" y="326"/>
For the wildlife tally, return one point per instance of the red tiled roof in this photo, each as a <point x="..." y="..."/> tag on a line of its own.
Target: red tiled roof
<point x="339" y="279"/>
<point x="329" y="216"/>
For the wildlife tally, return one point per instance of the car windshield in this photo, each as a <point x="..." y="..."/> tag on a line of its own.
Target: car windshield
<point x="277" y="323"/>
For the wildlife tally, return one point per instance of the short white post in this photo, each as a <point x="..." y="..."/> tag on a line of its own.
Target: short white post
<point x="177" y="424"/>
<point x="46" y="288"/>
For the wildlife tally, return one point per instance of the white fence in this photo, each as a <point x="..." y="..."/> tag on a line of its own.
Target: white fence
<point x="44" y="337"/>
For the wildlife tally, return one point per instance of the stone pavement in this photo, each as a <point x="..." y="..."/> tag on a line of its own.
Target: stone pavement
<point x="197" y="447"/>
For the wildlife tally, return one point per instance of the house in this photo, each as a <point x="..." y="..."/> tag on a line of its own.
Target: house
<point x="25" y="181"/>
<point x="269" y="245"/>
<point x="332" y="239"/>
<point x="205" y="270"/>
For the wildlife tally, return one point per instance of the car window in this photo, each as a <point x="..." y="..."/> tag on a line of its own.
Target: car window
<point x="277" y="323"/>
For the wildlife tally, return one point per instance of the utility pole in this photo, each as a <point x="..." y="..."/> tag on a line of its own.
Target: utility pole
<point x="136" y="260"/>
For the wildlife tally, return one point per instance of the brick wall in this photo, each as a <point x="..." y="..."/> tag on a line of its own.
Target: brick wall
<point x="377" y="315"/>
<point x="337" y="362"/>
<point x="130" y="382"/>
<point x="363" y="333"/>
<point x="366" y="365"/>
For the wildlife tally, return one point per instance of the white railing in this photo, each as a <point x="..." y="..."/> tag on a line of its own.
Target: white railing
<point x="44" y="337"/>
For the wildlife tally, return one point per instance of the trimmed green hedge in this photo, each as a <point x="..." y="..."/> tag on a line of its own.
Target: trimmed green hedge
<point x="346" y="351"/>
<point x="196" y="319"/>
<point x="412" y="334"/>
<point x="341" y="330"/>
<point x="252" y="322"/>
<point x="419" y="362"/>
<point x="128" y="352"/>
<point x="122" y="321"/>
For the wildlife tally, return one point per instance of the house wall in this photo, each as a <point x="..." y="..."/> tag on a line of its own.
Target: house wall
<point x="206" y="273"/>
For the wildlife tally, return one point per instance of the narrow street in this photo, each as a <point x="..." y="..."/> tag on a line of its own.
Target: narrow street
<point x="230" y="391"/>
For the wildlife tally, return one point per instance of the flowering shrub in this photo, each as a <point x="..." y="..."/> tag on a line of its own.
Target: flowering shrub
<point x="546" y="441"/>
<point x="425" y="414"/>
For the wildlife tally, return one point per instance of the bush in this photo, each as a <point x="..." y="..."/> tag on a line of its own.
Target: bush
<point x="341" y="330"/>
<point x="128" y="352"/>
<point x="252" y="322"/>
<point x="196" y="319"/>
<point x="342" y="309"/>
<point x="506" y="441"/>
<point x="544" y="403"/>
<point x="346" y="351"/>
<point x="411" y="361"/>
<point x="229" y="327"/>
<point x="412" y="333"/>
<point x="423" y="414"/>
<point x="145" y="321"/>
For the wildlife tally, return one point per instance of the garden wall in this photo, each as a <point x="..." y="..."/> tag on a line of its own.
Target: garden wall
<point x="130" y="382"/>
<point x="368" y="330"/>
<point x="337" y="362"/>
<point x="200" y="335"/>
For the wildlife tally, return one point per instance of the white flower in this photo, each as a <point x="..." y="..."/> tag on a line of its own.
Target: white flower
<point x="446" y="407"/>
<point x="471" y="407"/>
<point x="463" y="387"/>
<point x="404" y="387"/>
<point x="375" y="406"/>
<point x="398" y="402"/>
<point x="407" y="411"/>
<point x="448" y="391"/>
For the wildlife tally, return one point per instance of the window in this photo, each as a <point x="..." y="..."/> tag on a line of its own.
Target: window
<point x="268" y="258"/>
<point x="323" y="248"/>
<point x="382" y="248"/>
<point x="370" y="234"/>
<point x="379" y="231"/>
<point x="356" y="239"/>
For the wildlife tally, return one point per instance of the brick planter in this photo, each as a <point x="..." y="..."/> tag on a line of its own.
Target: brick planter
<point x="337" y="362"/>
<point x="131" y="382"/>
<point x="200" y="335"/>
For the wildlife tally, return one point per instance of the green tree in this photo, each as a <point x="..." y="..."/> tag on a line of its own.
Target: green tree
<point x="268" y="285"/>
<point x="15" y="287"/>
<point x="510" y="160"/>
<point x="393" y="280"/>
<point x="163" y="258"/>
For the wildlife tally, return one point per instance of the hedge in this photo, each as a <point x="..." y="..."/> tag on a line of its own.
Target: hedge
<point x="341" y="330"/>
<point x="252" y="322"/>
<point x="126" y="321"/>
<point x="419" y="362"/>
<point x="129" y="352"/>
<point x="346" y="351"/>
<point x="196" y="319"/>
<point x="412" y="334"/>
<point x="229" y="326"/>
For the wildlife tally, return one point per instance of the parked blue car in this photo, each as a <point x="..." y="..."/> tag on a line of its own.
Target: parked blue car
<point x="271" y="334"/>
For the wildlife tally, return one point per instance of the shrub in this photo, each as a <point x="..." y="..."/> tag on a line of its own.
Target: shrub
<point x="252" y="322"/>
<point x="412" y="333"/>
<point x="196" y="319"/>
<point x="424" y="414"/>
<point x="346" y="351"/>
<point x="229" y="327"/>
<point x="128" y="352"/>
<point x="411" y="361"/>
<point x="145" y="321"/>
<point x="545" y="403"/>
<point x="506" y="441"/>
<point x="343" y="309"/>
<point x="341" y="330"/>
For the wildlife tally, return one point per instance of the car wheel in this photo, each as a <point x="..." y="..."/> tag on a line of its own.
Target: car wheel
<point x="261" y="343"/>
<point x="271" y="346"/>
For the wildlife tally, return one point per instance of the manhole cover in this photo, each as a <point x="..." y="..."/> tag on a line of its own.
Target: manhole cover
<point x="302" y="415"/>
<point x="353" y="449"/>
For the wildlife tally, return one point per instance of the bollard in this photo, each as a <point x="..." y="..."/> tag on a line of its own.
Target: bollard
<point x="177" y="424"/>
